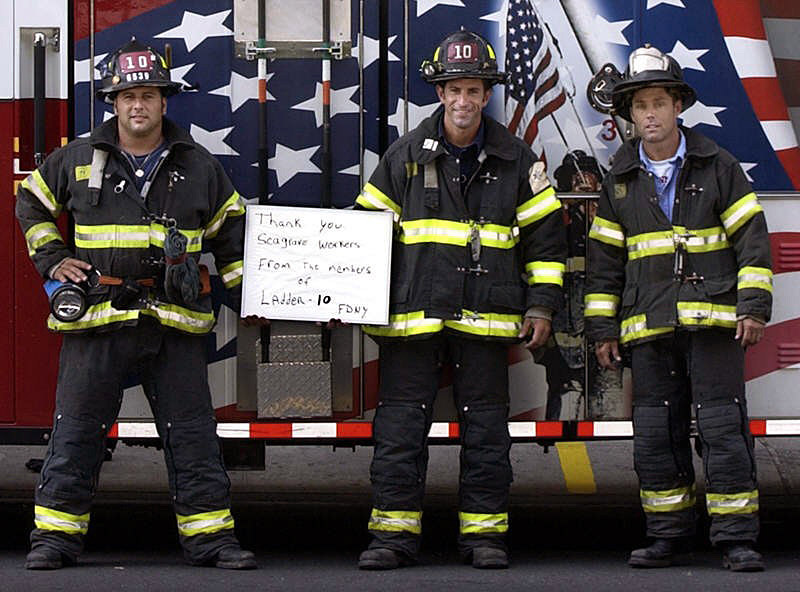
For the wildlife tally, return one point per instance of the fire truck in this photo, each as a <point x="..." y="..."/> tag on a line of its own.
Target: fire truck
<point x="299" y="99"/>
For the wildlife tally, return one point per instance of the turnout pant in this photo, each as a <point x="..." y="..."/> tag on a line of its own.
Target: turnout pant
<point x="703" y="370"/>
<point x="92" y="371"/>
<point x="409" y="380"/>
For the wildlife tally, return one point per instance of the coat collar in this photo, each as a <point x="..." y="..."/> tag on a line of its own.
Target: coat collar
<point x="106" y="138"/>
<point x="697" y="147"/>
<point x="426" y="145"/>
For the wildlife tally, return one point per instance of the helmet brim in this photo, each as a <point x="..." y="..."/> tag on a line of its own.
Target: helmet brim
<point x="622" y="95"/>
<point x="494" y="78"/>
<point x="168" y="88"/>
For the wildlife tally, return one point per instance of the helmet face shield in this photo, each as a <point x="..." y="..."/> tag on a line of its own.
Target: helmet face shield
<point x="647" y="58"/>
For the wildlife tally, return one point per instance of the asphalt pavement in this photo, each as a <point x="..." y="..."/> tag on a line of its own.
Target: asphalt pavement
<point x="305" y="517"/>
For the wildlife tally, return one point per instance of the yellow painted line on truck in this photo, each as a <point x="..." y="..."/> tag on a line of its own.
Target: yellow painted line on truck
<point x="576" y="466"/>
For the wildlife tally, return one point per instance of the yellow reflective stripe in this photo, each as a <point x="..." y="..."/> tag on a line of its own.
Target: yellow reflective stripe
<point x="706" y="314"/>
<point x="607" y="232"/>
<point x="500" y="237"/>
<point x="204" y="523"/>
<point x="41" y="234"/>
<point x="172" y="315"/>
<point x="457" y="233"/>
<point x="487" y="324"/>
<point x="755" y="277"/>
<point x="36" y="185"/>
<point x="415" y="323"/>
<point x="538" y="207"/>
<point x="234" y="206"/>
<point x="373" y="198"/>
<point x="122" y="236"/>
<point x="545" y="272"/>
<point x="732" y="503"/>
<point x="635" y="327"/>
<point x="395" y="521"/>
<point x="740" y="212"/>
<point x="95" y="316"/>
<point x="650" y="243"/>
<point x="600" y="305"/>
<point x="158" y="233"/>
<point x="434" y="231"/>
<point x="667" y="500"/>
<point x="703" y="240"/>
<point x="112" y="236"/>
<point x="83" y="172"/>
<point x="472" y="523"/>
<point x="232" y="274"/>
<point x="406" y="324"/>
<point x="48" y="519"/>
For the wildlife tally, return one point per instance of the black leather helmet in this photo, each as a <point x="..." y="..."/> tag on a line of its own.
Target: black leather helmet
<point x="462" y="54"/>
<point x="573" y="162"/>
<point x="134" y="64"/>
<point x="649" y="67"/>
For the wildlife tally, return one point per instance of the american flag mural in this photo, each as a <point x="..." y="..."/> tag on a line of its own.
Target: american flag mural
<point x="741" y="56"/>
<point x="534" y="89"/>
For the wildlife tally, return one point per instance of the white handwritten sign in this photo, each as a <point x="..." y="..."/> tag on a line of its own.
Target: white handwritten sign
<point x="313" y="264"/>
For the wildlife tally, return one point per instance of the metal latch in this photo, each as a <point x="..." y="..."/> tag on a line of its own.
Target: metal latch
<point x="253" y="52"/>
<point x="336" y="50"/>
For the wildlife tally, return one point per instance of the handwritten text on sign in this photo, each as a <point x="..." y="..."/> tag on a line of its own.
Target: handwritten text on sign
<point x="312" y="264"/>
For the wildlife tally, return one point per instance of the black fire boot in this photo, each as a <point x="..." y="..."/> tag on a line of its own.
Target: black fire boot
<point x="381" y="559"/>
<point x="234" y="557"/>
<point x="740" y="556"/>
<point x="660" y="554"/>
<point x="489" y="558"/>
<point x="44" y="557"/>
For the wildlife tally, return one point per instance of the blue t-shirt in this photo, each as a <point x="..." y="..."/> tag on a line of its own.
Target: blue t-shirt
<point x="665" y="175"/>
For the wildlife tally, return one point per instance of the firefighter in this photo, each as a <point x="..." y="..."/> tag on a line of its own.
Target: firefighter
<point x="478" y="259"/>
<point x="679" y="271"/>
<point x="563" y="356"/>
<point x="145" y="200"/>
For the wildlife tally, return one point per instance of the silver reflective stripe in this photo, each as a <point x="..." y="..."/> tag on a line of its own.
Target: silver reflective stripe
<point x="733" y="503"/>
<point x="116" y="238"/>
<point x="190" y="527"/>
<point x="617" y="236"/>
<point x="699" y="242"/>
<point x="400" y="523"/>
<point x="668" y="500"/>
<point x="461" y="235"/>
<point x="31" y="185"/>
<point x="666" y="244"/>
<point x="47" y="519"/>
<point x="705" y="313"/>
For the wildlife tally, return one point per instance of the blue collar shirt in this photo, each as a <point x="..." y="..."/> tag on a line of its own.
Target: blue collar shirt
<point x="665" y="174"/>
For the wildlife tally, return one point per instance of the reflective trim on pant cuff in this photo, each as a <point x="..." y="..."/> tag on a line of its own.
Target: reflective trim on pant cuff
<point x="47" y="519"/>
<point x="396" y="521"/>
<point x="472" y="523"/>
<point x="205" y="523"/>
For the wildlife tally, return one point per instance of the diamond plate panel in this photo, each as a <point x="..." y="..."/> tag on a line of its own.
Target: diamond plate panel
<point x="295" y="348"/>
<point x="294" y="389"/>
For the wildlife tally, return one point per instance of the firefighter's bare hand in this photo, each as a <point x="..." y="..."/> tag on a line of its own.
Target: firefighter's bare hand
<point x="608" y="353"/>
<point x="539" y="331"/>
<point x="749" y="331"/>
<point x="254" y="321"/>
<point x="72" y="270"/>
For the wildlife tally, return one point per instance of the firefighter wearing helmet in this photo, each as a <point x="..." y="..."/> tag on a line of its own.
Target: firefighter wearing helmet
<point x="474" y="212"/>
<point x="679" y="273"/>
<point x="145" y="200"/>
